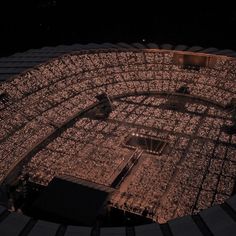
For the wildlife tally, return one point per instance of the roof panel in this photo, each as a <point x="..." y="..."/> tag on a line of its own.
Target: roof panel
<point x="44" y="228"/>
<point x="13" y="224"/>
<point x="184" y="226"/>
<point x="152" y="45"/>
<point x="149" y="229"/>
<point x="218" y="221"/>
<point x="114" y="231"/>
<point x="78" y="230"/>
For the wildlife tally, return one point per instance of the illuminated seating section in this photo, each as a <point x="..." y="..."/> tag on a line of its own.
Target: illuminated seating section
<point x="82" y="151"/>
<point x="196" y="171"/>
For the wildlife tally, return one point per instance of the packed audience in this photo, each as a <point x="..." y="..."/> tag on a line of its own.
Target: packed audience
<point x="192" y="173"/>
<point x="198" y="165"/>
<point x="49" y="96"/>
<point x="82" y="151"/>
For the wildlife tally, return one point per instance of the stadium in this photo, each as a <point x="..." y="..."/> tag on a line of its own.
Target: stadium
<point x="118" y="139"/>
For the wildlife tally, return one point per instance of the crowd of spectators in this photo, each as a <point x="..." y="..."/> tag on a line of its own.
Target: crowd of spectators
<point x="82" y="151"/>
<point x="43" y="99"/>
<point x="193" y="165"/>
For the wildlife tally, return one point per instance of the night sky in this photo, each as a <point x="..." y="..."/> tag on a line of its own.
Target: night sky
<point x="26" y="24"/>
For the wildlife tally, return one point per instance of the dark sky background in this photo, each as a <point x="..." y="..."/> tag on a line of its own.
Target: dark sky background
<point x="26" y="24"/>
